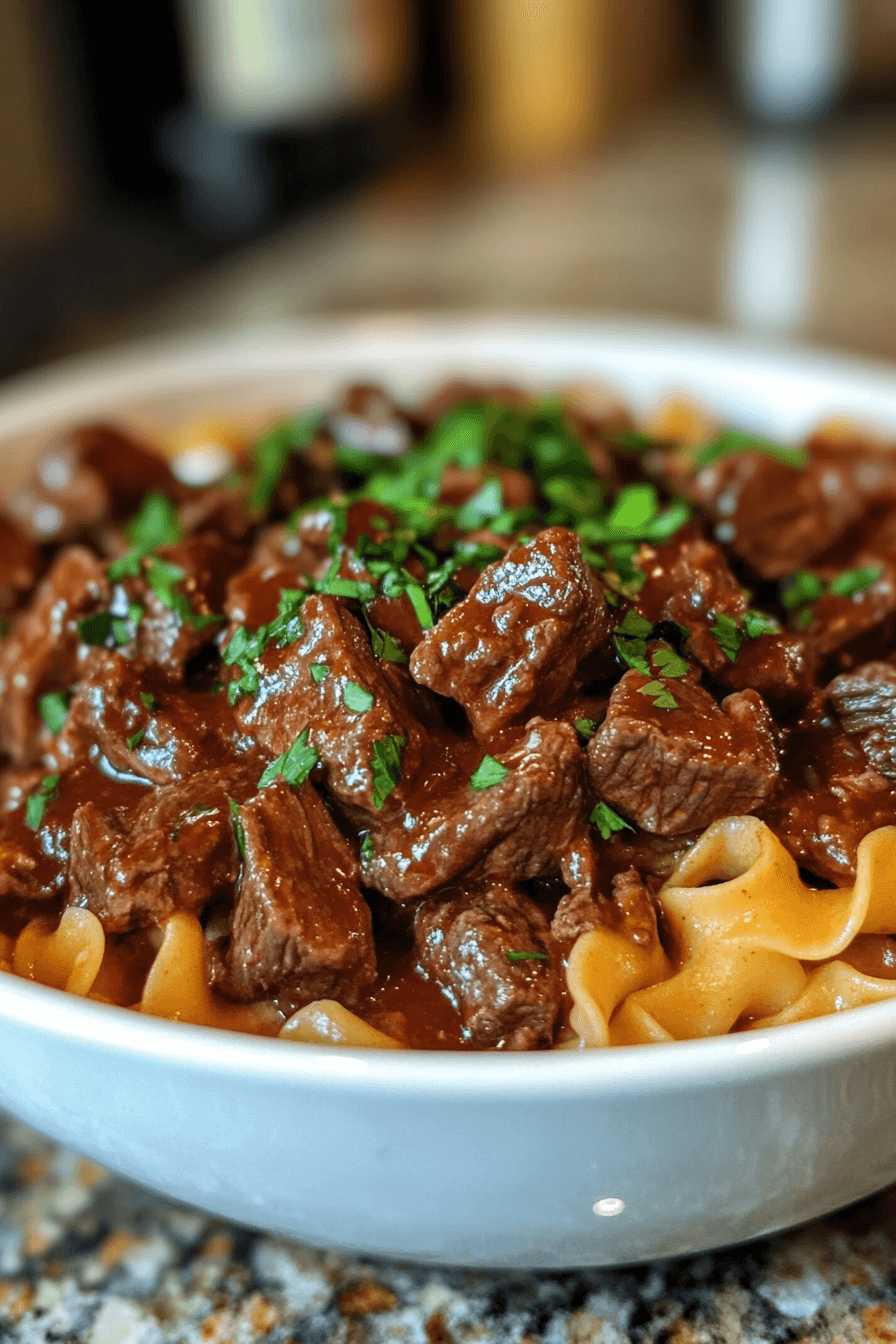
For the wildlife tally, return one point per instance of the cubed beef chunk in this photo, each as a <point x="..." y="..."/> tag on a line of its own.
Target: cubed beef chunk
<point x="689" y="581"/>
<point x="368" y="421"/>
<point x="301" y="929"/>
<point x="351" y="708"/>
<point x="20" y="564"/>
<point x="843" y="624"/>
<point x="219" y="509"/>
<point x="865" y="702"/>
<point x="492" y="953"/>
<point x="254" y="594"/>
<point x="516" y="640"/>
<point x="631" y="910"/>
<point x="176" y="851"/>
<point x="529" y="824"/>
<point x="162" y="735"/>
<point x="171" y="630"/>
<point x="830" y="797"/>
<point x="672" y="770"/>
<point x="773" y="516"/>
<point x="40" y="654"/>
<point x="90" y="475"/>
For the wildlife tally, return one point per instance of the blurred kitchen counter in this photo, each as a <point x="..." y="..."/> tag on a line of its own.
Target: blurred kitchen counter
<point x="686" y="215"/>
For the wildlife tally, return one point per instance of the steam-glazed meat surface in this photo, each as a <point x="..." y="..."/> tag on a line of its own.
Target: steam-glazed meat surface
<point x="409" y="701"/>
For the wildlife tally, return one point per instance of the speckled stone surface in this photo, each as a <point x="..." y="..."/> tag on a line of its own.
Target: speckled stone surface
<point x="85" y="1256"/>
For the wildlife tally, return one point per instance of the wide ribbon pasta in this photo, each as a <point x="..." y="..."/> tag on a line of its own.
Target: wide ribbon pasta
<point x="742" y="925"/>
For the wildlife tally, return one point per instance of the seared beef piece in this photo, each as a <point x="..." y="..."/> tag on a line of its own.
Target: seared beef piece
<point x="368" y="420"/>
<point x="163" y="636"/>
<point x="674" y="770"/>
<point x="865" y="701"/>
<point x="175" y="851"/>
<point x="253" y="594"/>
<point x="689" y="582"/>
<point x="20" y="564"/>
<point x="829" y="797"/>
<point x="773" y="516"/>
<point x="178" y="733"/>
<point x="631" y="911"/>
<point x="288" y="700"/>
<point x="518" y="489"/>
<point x="90" y="475"/>
<point x="838" y="623"/>
<point x="462" y="941"/>
<point x="220" y="509"/>
<point x="518" y="638"/>
<point x="301" y="929"/>
<point x="40" y="653"/>
<point x="528" y="825"/>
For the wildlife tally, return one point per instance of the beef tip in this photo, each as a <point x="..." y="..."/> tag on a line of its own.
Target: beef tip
<point x="519" y="636"/>
<point x="631" y="911"/>
<point x="368" y="421"/>
<point x="254" y="594"/>
<point x="175" y="851"/>
<point x="20" y="564"/>
<point x="162" y="736"/>
<point x="689" y="581"/>
<point x="172" y="632"/>
<point x="89" y="476"/>
<point x="40" y="654"/>
<point x="865" y="702"/>
<point x="840" y="625"/>
<point x="678" y="769"/>
<point x="221" y="509"/>
<point x="830" y="797"/>
<point x="473" y="945"/>
<point x="530" y="824"/>
<point x="301" y="929"/>
<point x="289" y="699"/>
<point x="773" y="516"/>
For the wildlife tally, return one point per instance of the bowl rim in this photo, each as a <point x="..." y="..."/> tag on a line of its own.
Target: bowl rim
<point x="75" y="386"/>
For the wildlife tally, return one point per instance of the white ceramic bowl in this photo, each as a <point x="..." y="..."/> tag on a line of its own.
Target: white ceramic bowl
<point x="475" y="1160"/>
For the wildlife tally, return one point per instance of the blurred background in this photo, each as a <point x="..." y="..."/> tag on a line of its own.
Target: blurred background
<point x="221" y="165"/>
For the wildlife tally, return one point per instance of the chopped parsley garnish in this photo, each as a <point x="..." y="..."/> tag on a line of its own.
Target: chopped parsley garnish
<point x="163" y="578"/>
<point x="635" y="516"/>
<point x="585" y="727"/>
<point x="801" y="589"/>
<point x="318" y="672"/>
<point x="271" y="453"/>
<point x="630" y="440"/>
<point x="668" y="663"/>
<point x="99" y="629"/>
<point x="630" y="640"/>
<point x="239" y="830"/>
<point x="148" y="700"/>
<point x="660" y="694"/>
<point x="339" y="587"/>
<point x="385" y="766"/>
<point x="367" y="847"/>
<point x="356" y="698"/>
<point x="488" y="773"/>
<point x="37" y="801"/>
<point x="215" y="687"/>
<point x="156" y="524"/>
<point x="294" y="765"/>
<point x="136" y="738"/>
<point x="513" y="955"/>
<point x="731" y="441"/>
<point x="487" y="503"/>
<point x="727" y="634"/>
<point x="244" y="646"/>
<point x="756" y="623"/>
<point x="54" y="710"/>
<point x="385" y="646"/>
<point x="201" y="809"/>
<point x="853" y="581"/>
<point x="607" y="821"/>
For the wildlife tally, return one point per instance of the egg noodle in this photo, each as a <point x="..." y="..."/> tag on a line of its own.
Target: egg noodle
<point x="750" y="945"/>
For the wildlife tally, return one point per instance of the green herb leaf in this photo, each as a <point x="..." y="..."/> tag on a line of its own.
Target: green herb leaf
<point x="730" y="441"/>
<point x="294" y="765"/>
<point x="667" y="662"/>
<point x="239" y="830"/>
<point x="385" y="767"/>
<point x="97" y="630"/>
<point x="585" y="727"/>
<point x="387" y="647"/>
<point x="37" y="801"/>
<point x="607" y="821"/>
<point x="631" y="440"/>
<point x="756" y="623"/>
<point x="634" y="508"/>
<point x="356" y="698"/>
<point x="660" y="695"/>
<point x="148" y="701"/>
<point x="367" y="847"/>
<point x="854" y="581"/>
<point x="136" y="738"/>
<point x="271" y="453"/>
<point x="338" y="587"/>
<point x="512" y="955"/>
<point x="488" y="502"/>
<point x="488" y="773"/>
<point x="727" y="634"/>
<point x="156" y="524"/>
<point x="318" y="672"/>
<point x="800" y="589"/>
<point x="54" y="710"/>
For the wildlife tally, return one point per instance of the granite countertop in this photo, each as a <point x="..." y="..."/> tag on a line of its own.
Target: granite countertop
<point x="87" y="1256"/>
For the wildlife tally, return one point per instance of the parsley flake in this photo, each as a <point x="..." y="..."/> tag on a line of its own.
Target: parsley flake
<point x="800" y="589"/>
<point x="136" y="738"/>
<point x="367" y="847"/>
<point x="585" y="727"/>
<point x="148" y="701"/>
<point x="239" y="830"/>
<point x="854" y="581"/>
<point x="356" y="698"/>
<point x="54" y="710"/>
<point x="294" y="765"/>
<point x="732" y="441"/>
<point x="607" y="821"/>
<point x="318" y="672"/>
<point x="756" y="623"/>
<point x="98" y="629"/>
<point x="727" y="634"/>
<point x="668" y="663"/>
<point x="385" y="767"/>
<point x="659" y="694"/>
<point x="271" y="453"/>
<point x="513" y="955"/>
<point x="385" y="646"/>
<point x="488" y="773"/>
<point x="37" y="801"/>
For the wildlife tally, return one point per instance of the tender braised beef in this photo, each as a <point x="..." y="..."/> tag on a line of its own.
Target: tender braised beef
<point x="412" y="700"/>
